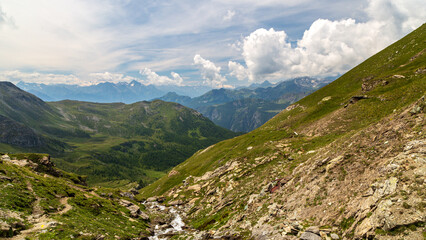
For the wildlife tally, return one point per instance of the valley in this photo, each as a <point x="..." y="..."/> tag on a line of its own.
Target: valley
<point x="321" y="160"/>
<point x="113" y="144"/>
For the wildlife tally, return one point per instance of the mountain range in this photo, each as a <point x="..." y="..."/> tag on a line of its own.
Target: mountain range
<point x="249" y="107"/>
<point x="107" y="92"/>
<point x="245" y="109"/>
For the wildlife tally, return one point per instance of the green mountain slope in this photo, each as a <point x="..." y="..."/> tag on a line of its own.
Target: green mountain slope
<point x="111" y="143"/>
<point x="133" y="141"/>
<point x="324" y="161"/>
<point x="39" y="201"/>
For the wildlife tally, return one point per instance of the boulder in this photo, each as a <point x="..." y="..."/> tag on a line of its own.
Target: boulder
<point x="5" y="157"/>
<point x="127" y="195"/>
<point x="124" y="203"/>
<point x="152" y="199"/>
<point x="134" y="211"/>
<point x="334" y="236"/>
<point x="172" y="173"/>
<point x="176" y="202"/>
<point x="309" y="236"/>
<point x="195" y="187"/>
<point x="5" y="230"/>
<point x="313" y="229"/>
<point x="5" y="178"/>
<point x="143" y="215"/>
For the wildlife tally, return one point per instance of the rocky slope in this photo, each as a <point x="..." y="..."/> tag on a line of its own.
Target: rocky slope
<point x="346" y="162"/>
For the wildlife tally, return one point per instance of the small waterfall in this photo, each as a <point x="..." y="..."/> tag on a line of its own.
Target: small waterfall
<point x="176" y="224"/>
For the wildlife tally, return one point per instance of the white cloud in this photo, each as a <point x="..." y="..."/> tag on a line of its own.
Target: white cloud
<point x="111" y="77"/>
<point x="35" y="77"/>
<point x="155" y="79"/>
<point x="237" y="70"/>
<point x="327" y="47"/>
<point x="209" y="72"/>
<point x="70" y="79"/>
<point x="101" y="36"/>
<point x="229" y="15"/>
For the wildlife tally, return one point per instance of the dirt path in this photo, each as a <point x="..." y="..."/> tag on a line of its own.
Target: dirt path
<point x="38" y="219"/>
<point x="92" y="193"/>
<point x="40" y="224"/>
<point x="64" y="201"/>
<point x="37" y="209"/>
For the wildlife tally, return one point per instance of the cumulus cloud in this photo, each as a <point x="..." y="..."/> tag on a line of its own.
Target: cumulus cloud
<point x="237" y="70"/>
<point x="155" y="79"/>
<point x="209" y="72"/>
<point x="328" y="47"/>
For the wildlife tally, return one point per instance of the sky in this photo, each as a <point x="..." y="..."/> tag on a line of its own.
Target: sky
<point x="216" y="43"/>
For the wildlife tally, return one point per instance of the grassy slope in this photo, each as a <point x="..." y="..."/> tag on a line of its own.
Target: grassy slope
<point x="406" y="57"/>
<point x="90" y="214"/>
<point x="136" y="141"/>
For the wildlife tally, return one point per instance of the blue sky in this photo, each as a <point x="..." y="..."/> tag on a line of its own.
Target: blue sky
<point x="216" y="43"/>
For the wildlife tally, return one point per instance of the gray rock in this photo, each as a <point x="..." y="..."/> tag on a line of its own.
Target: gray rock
<point x="5" y="157"/>
<point x="134" y="211"/>
<point x="125" y="203"/>
<point x="143" y="215"/>
<point x="309" y="236"/>
<point x="5" y="178"/>
<point x="313" y="229"/>
<point x="151" y="199"/>
<point x="100" y="237"/>
<point x="128" y="195"/>
<point x="334" y="236"/>
<point x="176" y="202"/>
<point x="4" y="227"/>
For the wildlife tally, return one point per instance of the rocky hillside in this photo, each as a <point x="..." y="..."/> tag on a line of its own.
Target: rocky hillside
<point x="39" y="201"/>
<point x="346" y="162"/>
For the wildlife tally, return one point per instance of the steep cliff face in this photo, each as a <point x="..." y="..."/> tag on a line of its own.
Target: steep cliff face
<point x="348" y="161"/>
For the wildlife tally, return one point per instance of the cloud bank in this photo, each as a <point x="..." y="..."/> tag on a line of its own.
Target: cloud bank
<point x="69" y="79"/>
<point x="327" y="48"/>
